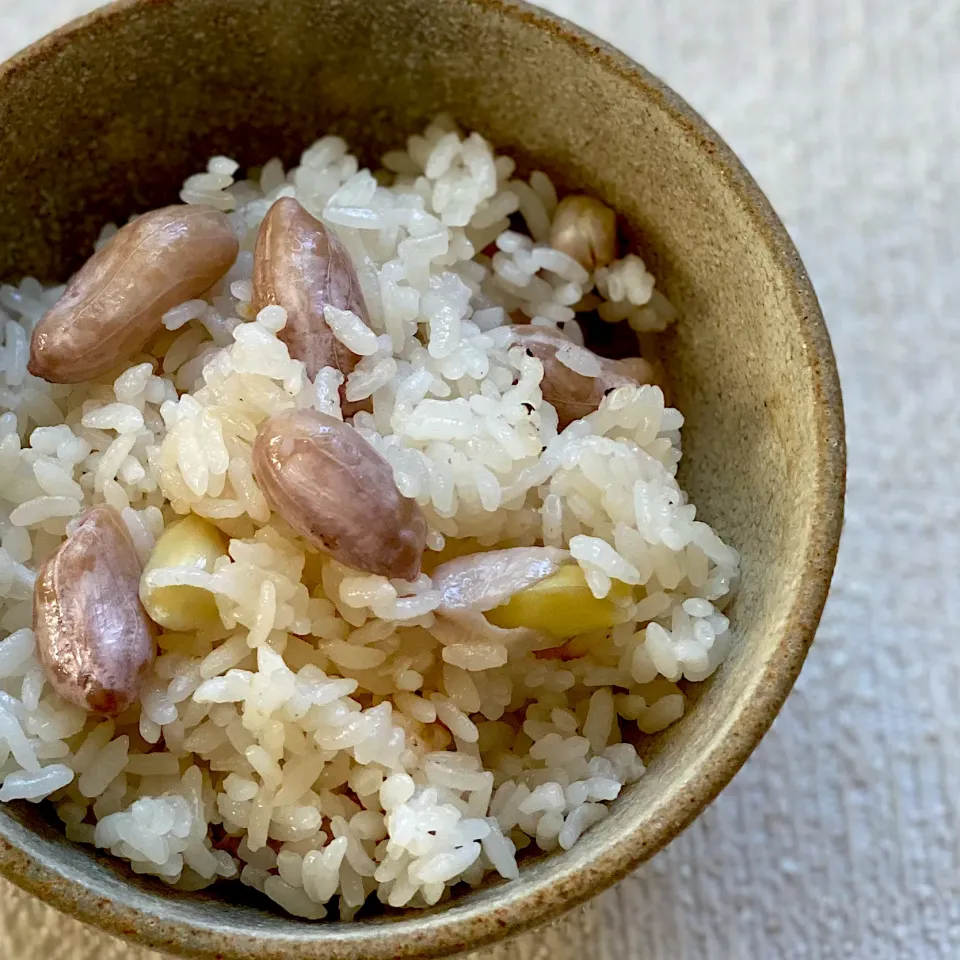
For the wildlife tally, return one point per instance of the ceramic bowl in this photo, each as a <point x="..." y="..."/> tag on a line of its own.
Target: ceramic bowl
<point x="109" y="114"/>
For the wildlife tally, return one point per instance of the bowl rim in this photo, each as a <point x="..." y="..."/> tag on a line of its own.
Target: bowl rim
<point x="526" y="902"/>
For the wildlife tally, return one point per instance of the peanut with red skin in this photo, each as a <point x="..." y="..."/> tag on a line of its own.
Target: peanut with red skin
<point x="338" y="493"/>
<point x="572" y="394"/>
<point x="301" y="266"/>
<point x="585" y="229"/>
<point x="95" y="640"/>
<point x="116" y="301"/>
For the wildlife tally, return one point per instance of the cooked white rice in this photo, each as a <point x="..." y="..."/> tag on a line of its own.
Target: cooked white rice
<point x="332" y="739"/>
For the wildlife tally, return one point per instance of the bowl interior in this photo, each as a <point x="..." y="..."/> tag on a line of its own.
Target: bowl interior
<point x="110" y="115"/>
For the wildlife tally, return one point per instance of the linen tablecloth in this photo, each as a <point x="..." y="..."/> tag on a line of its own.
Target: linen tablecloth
<point x="839" y="839"/>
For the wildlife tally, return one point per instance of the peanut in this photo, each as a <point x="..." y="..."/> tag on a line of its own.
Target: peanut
<point x="95" y="640"/>
<point x="571" y="394"/>
<point x="194" y="543"/>
<point x="585" y="229"/>
<point x="483" y="581"/>
<point x="116" y="301"/>
<point x="338" y="493"/>
<point x="301" y="266"/>
<point x="561" y="604"/>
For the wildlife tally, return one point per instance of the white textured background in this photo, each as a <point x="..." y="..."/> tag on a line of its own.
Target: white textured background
<point x="841" y="836"/>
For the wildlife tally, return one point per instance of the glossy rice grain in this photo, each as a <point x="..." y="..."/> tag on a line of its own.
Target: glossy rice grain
<point x="335" y="490"/>
<point x="95" y="640"/>
<point x="117" y="300"/>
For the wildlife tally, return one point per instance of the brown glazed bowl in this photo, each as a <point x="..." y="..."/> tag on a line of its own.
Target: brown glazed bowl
<point x="109" y="114"/>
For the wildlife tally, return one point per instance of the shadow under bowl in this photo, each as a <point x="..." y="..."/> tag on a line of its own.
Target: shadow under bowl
<point x="109" y="114"/>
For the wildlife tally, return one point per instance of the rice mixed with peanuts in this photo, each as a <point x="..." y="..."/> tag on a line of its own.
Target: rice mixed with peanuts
<point x="357" y="573"/>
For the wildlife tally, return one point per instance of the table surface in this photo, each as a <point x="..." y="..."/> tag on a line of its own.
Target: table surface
<point x="839" y="839"/>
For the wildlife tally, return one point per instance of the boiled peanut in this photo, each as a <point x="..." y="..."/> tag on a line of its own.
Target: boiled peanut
<point x="194" y="543"/>
<point x="562" y="605"/>
<point x="116" y="301"/>
<point x="337" y="492"/>
<point x="585" y="229"/>
<point x="301" y="266"/>
<point x="572" y="394"/>
<point x="483" y="581"/>
<point x="95" y="640"/>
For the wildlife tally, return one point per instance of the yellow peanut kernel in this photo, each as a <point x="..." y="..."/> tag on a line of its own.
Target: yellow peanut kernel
<point x="191" y="542"/>
<point x="561" y="604"/>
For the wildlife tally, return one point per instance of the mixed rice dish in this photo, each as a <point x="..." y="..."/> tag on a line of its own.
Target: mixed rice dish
<point x="333" y="561"/>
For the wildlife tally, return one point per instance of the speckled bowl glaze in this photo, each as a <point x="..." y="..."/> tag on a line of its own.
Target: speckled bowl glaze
<point x="110" y="113"/>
